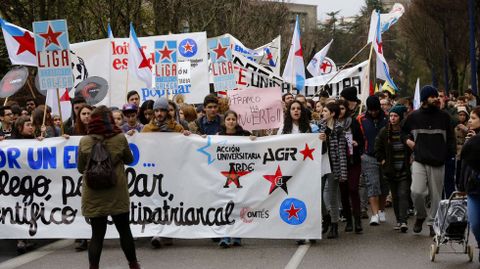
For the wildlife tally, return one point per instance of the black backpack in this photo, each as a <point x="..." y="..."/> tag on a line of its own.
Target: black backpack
<point x="99" y="173"/>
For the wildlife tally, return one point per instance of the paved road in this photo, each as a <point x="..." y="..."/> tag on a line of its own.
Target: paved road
<point x="379" y="247"/>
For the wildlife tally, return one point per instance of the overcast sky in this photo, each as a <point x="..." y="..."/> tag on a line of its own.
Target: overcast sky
<point x="347" y="7"/>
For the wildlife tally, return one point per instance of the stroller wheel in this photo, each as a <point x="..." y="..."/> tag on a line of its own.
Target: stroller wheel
<point x="470" y="253"/>
<point x="433" y="251"/>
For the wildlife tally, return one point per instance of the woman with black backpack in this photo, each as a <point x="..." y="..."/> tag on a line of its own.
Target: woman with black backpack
<point x="102" y="199"/>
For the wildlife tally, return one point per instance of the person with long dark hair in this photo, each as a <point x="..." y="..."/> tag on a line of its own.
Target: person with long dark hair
<point x="145" y="114"/>
<point x="332" y="131"/>
<point x="469" y="179"/>
<point x="296" y="119"/>
<point x="97" y="205"/>
<point x="231" y="127"/>
<point x="82" y="120"/>
<point x="349" y="189"/>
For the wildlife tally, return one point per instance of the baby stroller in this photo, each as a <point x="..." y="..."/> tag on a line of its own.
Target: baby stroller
<point x="451" y="226"/>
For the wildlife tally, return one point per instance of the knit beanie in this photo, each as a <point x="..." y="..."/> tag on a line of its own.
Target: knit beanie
<point x="349" y="94"/>
<point x="399" y="110"/>
<point x="428" y="91"/>
<point x="161" y="103"/>
<point x="373" y="103"/>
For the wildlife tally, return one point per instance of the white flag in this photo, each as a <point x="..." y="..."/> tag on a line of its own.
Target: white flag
<point x="65" y="105"/>
<point x="315" y="65"/>
<point x="416" y="98"/>
<point x="386" y="20"/>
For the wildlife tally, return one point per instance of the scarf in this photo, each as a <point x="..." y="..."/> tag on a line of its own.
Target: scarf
<point x="338" y="152"/>
<point x="103" y="124"/>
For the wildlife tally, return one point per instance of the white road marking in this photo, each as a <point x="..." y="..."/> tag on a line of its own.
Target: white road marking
<point x="297" y="257"/>
<point x="36" y="254"/>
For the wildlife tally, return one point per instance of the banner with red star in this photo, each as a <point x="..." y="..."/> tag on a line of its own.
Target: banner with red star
<point x="53" y="54"/>
<point x="221" y="64"/>
<point x="166" y="69"/>
<point x="178" y="186"/>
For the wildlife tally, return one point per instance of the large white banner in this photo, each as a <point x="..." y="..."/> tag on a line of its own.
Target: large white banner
<point x="108" y="58"/>
<point x="181" y="187"/>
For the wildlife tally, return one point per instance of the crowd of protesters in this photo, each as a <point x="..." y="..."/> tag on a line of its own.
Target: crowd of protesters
<point x="383" y="148"/>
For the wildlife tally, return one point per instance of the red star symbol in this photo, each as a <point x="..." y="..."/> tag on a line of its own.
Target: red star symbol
<point x="307" y="152"/>
<point x="188" y="47"/>
<point x="324" y="66"/>
<point x="293" y="211"/>
<point x="166" y="53"/>
<point x="25" y="43"/>
<point x="277" y="180"/>
<point x="145" y="62"/>
<point x="51" y="37"/>
<point x="233" y="176"/>
<point x="220" y="51"/>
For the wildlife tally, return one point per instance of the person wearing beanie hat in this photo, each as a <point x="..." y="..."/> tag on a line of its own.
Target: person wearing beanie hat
<point x="162" y="121"/>
<point x="400" y="110"/>
<point x="428" y="91"/>
<point x="350" y="95"/>
<point x="371" y="122"/>
<point x="394" y="157"/>
<point x="429" y="134"/>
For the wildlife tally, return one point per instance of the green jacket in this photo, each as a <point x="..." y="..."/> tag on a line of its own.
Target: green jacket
<point x="113" y="201"/>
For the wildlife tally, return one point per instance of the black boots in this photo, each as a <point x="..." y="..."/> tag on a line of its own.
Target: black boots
<point x="349" y="225"/>
<point x="326" y="221"/>
<point x="333" y="231"/>
<point x="358" y="225"/>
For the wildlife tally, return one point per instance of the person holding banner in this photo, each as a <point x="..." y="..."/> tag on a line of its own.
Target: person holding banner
<point x="98" y="204"/>
<point x="132" y="123"/>
<point x="296" y="122"/>
<point x="231" y="127"/>
<point x="210" y="123"/>
<point x="145" y="113"/>
<point x="23" y="129"/>
<point x="6" y="117"/>
<point x="162" y="122"/>
<point x="82" y="120"/>
<point x="43" y="123"/>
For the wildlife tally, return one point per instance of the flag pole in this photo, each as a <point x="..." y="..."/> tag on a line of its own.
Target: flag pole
<point x="60" y="110"/>
<point x="341" y="68"/>
<point x="30" y="88"/>
<point x="5" y="102"/>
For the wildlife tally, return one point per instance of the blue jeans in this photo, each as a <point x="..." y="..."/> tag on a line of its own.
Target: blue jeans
<point x="473" y="204"/>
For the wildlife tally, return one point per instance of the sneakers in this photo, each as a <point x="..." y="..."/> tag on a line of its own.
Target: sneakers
<point x="23" y="246"/>
<point x="397" y="226"/>
<point x="374" y="220"/>
<point x="81" y="245"/>
<point x="381" y="216"/>
<point x="417" y="227"/>
<point x="225" y="242"/>
<point x="236" y="242"/>
<point x="403" y="227"/>
<point x="156" y="242"/>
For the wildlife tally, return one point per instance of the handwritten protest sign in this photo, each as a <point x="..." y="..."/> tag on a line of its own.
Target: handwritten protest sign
<point x="53" y="54"/>
<point x="257" y="108"/>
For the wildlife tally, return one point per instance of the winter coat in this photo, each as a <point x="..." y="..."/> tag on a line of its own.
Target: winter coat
<point x="112" y="201"/>
<point x="384" y="151"/>
<point x="469" y="179"/>
<point x="171" y="126"/>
